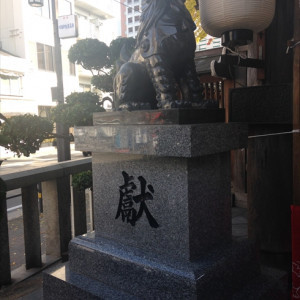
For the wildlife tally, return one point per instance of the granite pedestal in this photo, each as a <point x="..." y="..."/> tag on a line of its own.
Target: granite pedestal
<point x="162" y="212"/>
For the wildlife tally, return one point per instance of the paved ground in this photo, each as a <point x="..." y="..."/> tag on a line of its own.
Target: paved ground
<point x="16" y="241"/>
<point x="31" y="289"/>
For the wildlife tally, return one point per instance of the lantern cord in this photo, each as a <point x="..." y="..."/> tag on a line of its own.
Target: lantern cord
<point x="291" y="47"/>
<point x="242" y="56"/>
<point x="296" y="44"/>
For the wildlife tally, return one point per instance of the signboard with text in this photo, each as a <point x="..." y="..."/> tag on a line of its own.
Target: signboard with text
<point x="67" y="26"/>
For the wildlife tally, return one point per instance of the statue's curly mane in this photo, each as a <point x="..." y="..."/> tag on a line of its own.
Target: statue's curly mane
<point x="152" y="11"/>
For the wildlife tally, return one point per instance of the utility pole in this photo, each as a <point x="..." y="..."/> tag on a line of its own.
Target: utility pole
<point x="63" y="149"/>
<point x="63" y="144"/>
<point x="62" y="131"/>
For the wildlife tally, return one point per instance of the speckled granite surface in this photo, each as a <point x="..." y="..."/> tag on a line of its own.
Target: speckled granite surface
<point x="162" y="216"/>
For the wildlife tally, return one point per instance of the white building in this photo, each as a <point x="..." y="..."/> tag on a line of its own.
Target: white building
<point x="99" y="20"/>
<point x="130" y="22"/>
<point x="27" y="70"/>
<point x="130" y="17"/>
<point x="209" y="42"/>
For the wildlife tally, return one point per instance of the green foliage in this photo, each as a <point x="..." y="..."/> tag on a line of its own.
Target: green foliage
<point x="4" y="140"/>
<point x="103" y="82"/>
<point x="78" y="109"/>
<point x="94" y="55"/>
<point x="82" y="181"/>
<point x="91" y="54"/>
<point x="116" y="46"/>
<point x="24" y="134"/>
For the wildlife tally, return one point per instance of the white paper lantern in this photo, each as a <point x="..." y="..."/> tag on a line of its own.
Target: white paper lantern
<point x="220" y="16"/>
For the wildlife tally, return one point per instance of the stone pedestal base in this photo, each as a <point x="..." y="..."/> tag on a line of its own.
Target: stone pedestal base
<point x="101" y="269"/>
<point x="162" y="213"/>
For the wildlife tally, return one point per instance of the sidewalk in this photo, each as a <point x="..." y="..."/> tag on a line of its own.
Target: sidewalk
<point x="16" y="238"/>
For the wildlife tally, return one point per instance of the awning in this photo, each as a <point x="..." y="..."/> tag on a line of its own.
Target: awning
<point x="8" y="73"/>
<point x="12" y="65"/>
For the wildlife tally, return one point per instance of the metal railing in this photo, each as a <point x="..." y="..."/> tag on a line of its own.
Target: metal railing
<point x="57" y="212"/>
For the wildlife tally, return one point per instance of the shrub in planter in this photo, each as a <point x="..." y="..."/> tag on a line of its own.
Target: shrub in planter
<point x="82" y="181"/>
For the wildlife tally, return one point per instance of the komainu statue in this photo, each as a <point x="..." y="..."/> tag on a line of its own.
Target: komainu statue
<point x="161" y="72"/>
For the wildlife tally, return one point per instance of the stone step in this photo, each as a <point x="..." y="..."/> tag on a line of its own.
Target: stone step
<point x="218" y="275"/>
<point x="61" y="284"/>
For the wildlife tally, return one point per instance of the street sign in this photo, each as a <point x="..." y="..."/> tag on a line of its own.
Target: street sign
<point x="67" y="26"/>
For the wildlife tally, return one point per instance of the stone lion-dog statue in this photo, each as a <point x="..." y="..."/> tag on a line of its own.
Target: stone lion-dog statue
<point x="161" y="71"/>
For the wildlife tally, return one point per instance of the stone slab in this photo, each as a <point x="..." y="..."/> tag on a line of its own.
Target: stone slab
<point x="191" y="202"/>
<point x="162" y="140"/>
<point x="61" y="284"/>
<point x="217" y="275"/>
<point x="161" y="116"/>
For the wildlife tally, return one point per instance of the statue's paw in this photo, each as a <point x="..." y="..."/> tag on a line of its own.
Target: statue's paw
<point x="144" y="106"/>
<point x="206" y="104"/>
<point x="176" y="104"/>
<point x="130" y="106"/>
<point x="167" y="104"/>
<point x="183" y="104"/>
<point x="125" y="106"/>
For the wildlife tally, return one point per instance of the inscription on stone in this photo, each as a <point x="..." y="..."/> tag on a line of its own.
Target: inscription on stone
<point x="132" y="202"/>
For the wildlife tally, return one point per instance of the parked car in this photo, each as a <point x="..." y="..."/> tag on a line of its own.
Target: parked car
<point x="86" y="153"/>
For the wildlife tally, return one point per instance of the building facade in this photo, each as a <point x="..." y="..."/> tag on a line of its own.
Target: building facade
<point x="98" y="21"/>
<point x="130" y="17"/>
<point x="27" y="68"/>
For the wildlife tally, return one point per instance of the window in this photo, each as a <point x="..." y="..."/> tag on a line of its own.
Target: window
<point x="45" y="55"/>
<point x="130" y="29"/>
<point x="84" y="87"/>
<point x="44" y="111"/>
<point x="129" y="10"/>
<point x="72" y="69"/>
<point x="64" y="8"/>
<point x="10" y="85"/>
<point x="44" y="11"/>
<point x="129" y="1"/>
<point x="129" y="20"/>
<point x="137" y="8"/>
<point x="136" y="18"/>
<point x="136" y="28"/>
